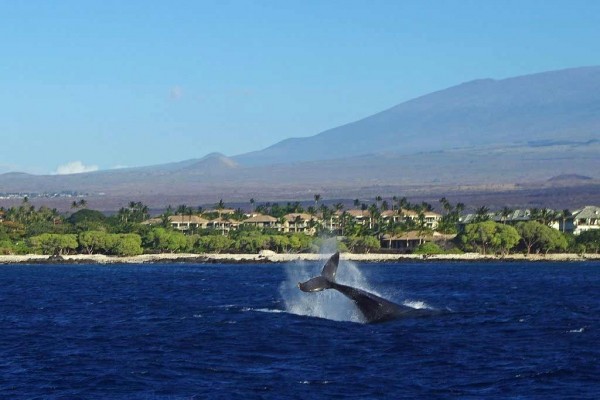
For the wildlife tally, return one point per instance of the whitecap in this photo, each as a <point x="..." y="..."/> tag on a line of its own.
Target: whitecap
<point x="417" y="304"/>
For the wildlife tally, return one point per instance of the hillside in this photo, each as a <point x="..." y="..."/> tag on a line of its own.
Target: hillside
<point x="541" y="129"/>
<point x="533" y="110"/>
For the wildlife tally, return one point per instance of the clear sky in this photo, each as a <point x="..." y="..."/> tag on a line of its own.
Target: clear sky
<point x="106" y="84"/>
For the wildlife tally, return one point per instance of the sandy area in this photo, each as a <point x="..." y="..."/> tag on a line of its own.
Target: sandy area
<point x="283" y="258"/>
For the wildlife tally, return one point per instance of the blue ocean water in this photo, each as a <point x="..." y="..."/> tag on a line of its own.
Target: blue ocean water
<point x="507" y="330"/>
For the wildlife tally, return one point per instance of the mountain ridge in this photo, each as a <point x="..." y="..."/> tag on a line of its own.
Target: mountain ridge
<point x="482" y="132"/>
<point x="458" y="116"/>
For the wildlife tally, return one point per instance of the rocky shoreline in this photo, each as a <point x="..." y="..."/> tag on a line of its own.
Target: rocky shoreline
<point x="270" y="257"/>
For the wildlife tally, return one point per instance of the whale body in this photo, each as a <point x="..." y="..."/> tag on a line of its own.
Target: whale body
<point x="372" y="307"/>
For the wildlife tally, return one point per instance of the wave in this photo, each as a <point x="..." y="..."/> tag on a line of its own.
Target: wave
<point x="263" y="310"/>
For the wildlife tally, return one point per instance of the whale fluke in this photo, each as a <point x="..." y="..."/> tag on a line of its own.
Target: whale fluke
<point x="372" y="307"/>
<point x="331" y="266"/>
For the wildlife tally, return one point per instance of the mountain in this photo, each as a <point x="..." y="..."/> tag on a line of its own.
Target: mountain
<point x="513" y="135"/>
<point x="532" y="110"/>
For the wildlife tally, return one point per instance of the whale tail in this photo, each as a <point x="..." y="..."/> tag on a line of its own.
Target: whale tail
<point x="327" y="278"/>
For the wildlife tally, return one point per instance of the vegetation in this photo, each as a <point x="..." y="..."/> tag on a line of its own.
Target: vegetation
<point x="26" y="229"/>
<point x="489" y="236"/>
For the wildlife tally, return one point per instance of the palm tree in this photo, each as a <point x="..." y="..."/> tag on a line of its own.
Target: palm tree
<point x="403" y="204"/>
<point x="534" y="214"/>
<point x="563" y="215"/>
<point x="546" y="216"/>
<point x="190" y="211"/>
<point x="482" y="214"/>
<point x="356" y="203"/>
<point x="252" y="205"/>
<point x="385" y="206"/>
<point x="182" y="210"/>
<point x="378" y="200"/>
<point x="220" y="206"/>
<point x="317" y="199"/>
<point x="124" y="214"/>
<point x="446" y="205"/>
<point x="505" y="213"/>
<point x="426" y="206"/>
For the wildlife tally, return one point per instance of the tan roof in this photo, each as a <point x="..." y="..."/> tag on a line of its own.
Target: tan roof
<point x="409" y="213"/>
<point x="222" y="221"/>
<point x="359" y="213"/>
<point x="303" y="216"/>
<point x="184" y="219"/>
<point x="261" y="219"/>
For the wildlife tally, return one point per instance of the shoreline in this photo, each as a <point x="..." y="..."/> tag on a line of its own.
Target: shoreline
<point x="190" y="258"/>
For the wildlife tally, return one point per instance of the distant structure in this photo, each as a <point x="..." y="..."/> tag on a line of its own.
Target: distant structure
<point x="585" y="219"/>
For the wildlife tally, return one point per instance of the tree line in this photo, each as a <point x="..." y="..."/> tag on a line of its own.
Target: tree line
<point x="27" y="229"/>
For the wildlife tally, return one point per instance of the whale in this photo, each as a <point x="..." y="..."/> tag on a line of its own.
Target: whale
<point x="373" y="308"/>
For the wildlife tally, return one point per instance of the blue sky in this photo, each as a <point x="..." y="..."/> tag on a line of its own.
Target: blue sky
<point x="107" y="84"/>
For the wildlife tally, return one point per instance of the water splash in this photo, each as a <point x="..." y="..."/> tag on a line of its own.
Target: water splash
<point x="328" y="304"/>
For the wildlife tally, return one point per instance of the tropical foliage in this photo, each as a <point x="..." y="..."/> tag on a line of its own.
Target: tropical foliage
<point x="25" y="228"/>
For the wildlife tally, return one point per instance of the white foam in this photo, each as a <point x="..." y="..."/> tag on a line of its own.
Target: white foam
<point x="418" y="304"/>
<point x="264" y="310"/>
<point x="580" y="330"/>
<point x="328" y="304"/>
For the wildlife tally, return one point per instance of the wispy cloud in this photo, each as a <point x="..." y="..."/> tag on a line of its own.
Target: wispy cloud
<point x="75" y="167"/>
<point x="175" y="93"/>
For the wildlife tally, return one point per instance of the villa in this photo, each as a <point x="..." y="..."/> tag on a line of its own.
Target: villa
<point x="585" y="219"/>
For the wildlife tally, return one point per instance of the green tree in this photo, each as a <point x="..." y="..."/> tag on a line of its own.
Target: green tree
<point x="279" y="243"/>
<point x="506" y="238"/>
<point x="488" y="235"/>
<point x="428" y="248"/>
<point x="541" y="237"/>
<point x="125" y="244"/>
<point x="530" y="234"/>
<point x="215" y="243"/>
<point x="94" y="241"/>
<point x="362" y="244"/>
<point x="590" y="240"/>
<point x="163" y="240"/>
<point x="552" y="240"/>
<point x="54" y="244"/>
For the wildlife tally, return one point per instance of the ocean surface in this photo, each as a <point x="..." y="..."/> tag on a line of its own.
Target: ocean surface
<point x="216" y="331"/>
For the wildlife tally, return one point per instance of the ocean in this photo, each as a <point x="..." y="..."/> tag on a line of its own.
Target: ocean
<point x="217" y="331"/>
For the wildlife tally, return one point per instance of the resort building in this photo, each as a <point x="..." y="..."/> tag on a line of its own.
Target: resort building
<point x="581" y="220"/>
<point x="263" y="221"/>
<point x="222" y="224"/>
<point x="188" y="223"/>
<point x="300" y="223"/>
<point x="409" y="241"/>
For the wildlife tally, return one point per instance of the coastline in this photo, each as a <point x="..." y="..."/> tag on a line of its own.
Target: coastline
<point x="268" y="257"/>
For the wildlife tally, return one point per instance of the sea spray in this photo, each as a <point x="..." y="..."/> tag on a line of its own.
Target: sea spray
<point x="329" y="304"/>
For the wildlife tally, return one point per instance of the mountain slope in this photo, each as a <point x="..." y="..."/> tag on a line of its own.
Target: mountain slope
<point x="514" y="132"/>
<point x="535" y="109"/>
